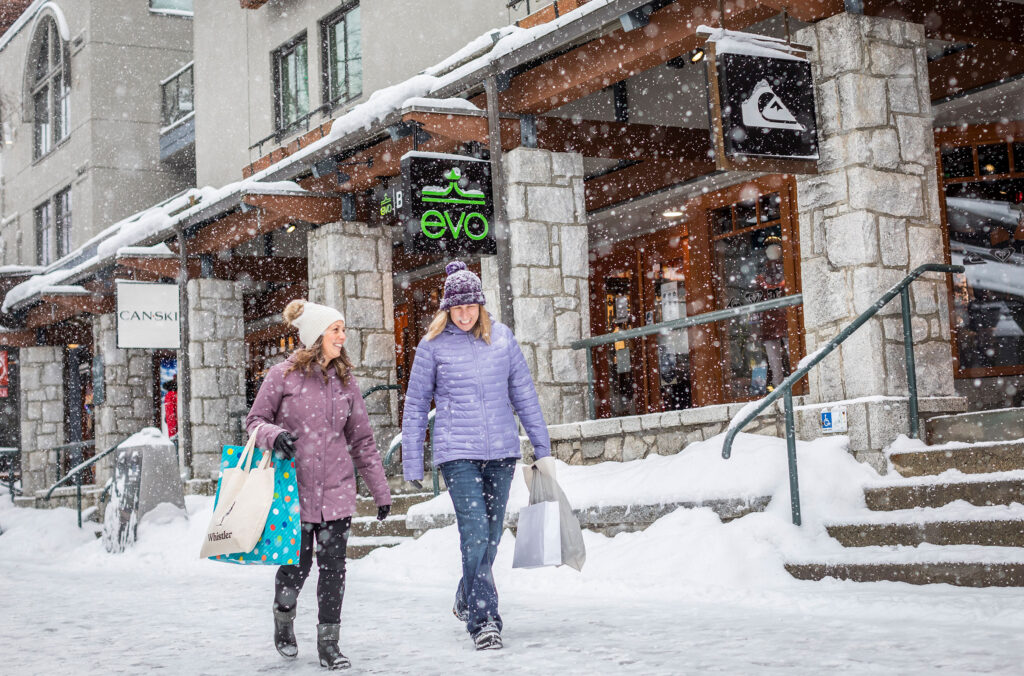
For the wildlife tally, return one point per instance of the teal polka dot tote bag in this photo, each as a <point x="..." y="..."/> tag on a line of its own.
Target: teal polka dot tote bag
<point x="279" y="544"/>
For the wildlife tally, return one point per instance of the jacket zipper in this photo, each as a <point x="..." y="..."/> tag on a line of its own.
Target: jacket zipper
<point x="480" y="397"/>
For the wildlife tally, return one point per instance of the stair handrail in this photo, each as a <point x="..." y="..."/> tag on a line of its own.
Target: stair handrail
<point x="785" y="388"/>
<point x="14" y="452"/>
<point x="77" y="470"/>
<point x="396" y="443"/>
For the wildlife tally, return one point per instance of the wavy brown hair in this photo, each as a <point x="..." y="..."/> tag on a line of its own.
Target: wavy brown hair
<point x="305" y="357"/>
<point x="482" y="328"/>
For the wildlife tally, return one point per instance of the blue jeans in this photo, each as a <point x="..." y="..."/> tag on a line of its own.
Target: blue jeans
<point x="479" y="491"/>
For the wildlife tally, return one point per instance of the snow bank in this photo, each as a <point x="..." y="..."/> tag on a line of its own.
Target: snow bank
<point x="831" y="480"/>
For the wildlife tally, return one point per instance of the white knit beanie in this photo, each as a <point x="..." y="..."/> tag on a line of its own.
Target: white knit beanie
<point x="314" y="321"/>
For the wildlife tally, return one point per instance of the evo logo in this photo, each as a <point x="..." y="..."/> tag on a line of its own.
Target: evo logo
<point x="763" y="108"/>
<point x="436" y="223"/>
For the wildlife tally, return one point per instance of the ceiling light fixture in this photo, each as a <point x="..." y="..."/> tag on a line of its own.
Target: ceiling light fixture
<point x="697" y="55"/>
<point x="671" y="213"/>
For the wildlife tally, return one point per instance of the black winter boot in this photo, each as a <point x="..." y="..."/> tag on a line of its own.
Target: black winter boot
<point x="284" y="632"/>
<point x="327" y="646"/>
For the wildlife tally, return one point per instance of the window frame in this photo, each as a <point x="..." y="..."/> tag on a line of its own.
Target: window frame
<point x="62" y="211"/>
<point x="42" y="223"/>
<point x="278" y="58"/>
<point x="49" y="89"/>
<point x="328" y="58"/>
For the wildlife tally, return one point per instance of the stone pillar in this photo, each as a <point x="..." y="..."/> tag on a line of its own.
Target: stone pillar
<point x="127" y="391"/>
<point x="41" y="398"/>
<point x="549" y="277"/>
<point x="872" y="214"/>
<point x="349" y="267"/>
<point x="216" y="351"/>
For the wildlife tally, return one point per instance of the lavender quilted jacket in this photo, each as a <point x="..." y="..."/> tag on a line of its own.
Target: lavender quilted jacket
<point x="476" y="389"/>
<point x="334" y="438"/>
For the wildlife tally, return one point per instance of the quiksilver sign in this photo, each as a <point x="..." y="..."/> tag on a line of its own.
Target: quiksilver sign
<point x="447" y="205"/>
<point x="147" y="316"/>
<point x="763" y="111"/>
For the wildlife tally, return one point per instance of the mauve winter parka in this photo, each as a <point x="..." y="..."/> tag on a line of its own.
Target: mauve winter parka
<point x="476" y="388"/>
<point x="333" y="438"/>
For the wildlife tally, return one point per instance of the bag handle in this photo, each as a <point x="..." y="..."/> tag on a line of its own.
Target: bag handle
<point x="250" y="451"/>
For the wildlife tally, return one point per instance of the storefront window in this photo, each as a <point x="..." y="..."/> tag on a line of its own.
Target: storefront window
<point x="749" y="269"/>
<point x="986" y="234"/>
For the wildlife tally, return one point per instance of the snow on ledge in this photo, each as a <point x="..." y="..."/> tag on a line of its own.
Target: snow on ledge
<point x="147" y="436"/>
<point x="157" y="250"/>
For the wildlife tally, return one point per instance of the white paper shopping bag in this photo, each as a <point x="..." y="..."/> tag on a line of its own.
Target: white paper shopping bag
<point x="538" y="536"/>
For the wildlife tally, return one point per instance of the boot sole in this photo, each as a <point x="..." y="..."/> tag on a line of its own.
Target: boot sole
<point x="336" y="667"/>
<point x="282" y="653"/>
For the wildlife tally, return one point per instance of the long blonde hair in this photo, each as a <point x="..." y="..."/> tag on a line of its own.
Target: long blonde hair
<point x="482" y="328"/>
<point x="305" y="357"/>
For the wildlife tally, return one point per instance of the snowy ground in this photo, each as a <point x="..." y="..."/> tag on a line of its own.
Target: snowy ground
<point x="689" y="595"/>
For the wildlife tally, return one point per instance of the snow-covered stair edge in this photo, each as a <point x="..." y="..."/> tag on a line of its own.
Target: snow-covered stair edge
<point x="921" y="554"/>
<point x="951" y="476"/>
<point x="959" y="511"/>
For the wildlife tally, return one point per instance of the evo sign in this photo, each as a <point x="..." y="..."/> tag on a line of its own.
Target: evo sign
<point x="764" y="109"/>
<point x="448" y="205"/>
<point x="147" y="316"/>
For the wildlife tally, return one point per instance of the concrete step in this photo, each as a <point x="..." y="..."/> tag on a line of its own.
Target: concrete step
<point x="999" y="425"/>
<point x="368" y="526"/>
<point x="976" y="458"/>
<point x="961" y="574"/>
<point x="990" y="533"/>
<point x="358" y="547"/>
<point x="980" y="490"/>
<point x="400" y="503"/>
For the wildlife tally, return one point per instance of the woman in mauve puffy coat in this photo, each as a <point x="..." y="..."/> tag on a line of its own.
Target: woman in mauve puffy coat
<point x="475" y="372"/>
<point x="309" y="407"/>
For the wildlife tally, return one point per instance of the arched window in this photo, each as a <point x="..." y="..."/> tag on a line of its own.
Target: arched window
<point x="50" y="85"/>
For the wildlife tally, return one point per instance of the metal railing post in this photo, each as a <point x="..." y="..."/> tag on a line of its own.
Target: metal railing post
<point x="908" y="347"/>
<point x="794" y="486"/>
<point x="591" y="404"/>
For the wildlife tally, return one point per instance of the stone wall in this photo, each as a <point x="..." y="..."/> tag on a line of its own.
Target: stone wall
<point x="216" y="350"/>
<point x="41" y="400"/>
<point x="549" y="276"/>
<point x="349" y="267"/>
<point x="872" y="214"/>
<point x="127" y="391"/>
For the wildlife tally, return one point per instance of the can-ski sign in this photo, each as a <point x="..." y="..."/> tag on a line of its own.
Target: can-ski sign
<point x="448" y="205"/>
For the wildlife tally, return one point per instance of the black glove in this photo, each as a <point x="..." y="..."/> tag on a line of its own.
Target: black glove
<point x="383" y="511"/>
<point x="284" y="446"/>
<point x="416" y="483"/>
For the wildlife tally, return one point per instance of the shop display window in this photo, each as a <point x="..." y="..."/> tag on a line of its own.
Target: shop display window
<point x="985" y="220"/>
<point x="749" y="268"/>
<point x="993" y="159"/>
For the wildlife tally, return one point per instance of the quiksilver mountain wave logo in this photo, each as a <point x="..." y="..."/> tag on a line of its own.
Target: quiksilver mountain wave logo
<point x="763" y="108"/>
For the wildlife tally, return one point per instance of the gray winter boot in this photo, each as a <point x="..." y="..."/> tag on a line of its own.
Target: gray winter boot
<point x="327" y="646"/>
<point x="284" y="632"/>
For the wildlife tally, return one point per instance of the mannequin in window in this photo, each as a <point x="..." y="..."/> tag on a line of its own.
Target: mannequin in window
<point x="772" y="281"/>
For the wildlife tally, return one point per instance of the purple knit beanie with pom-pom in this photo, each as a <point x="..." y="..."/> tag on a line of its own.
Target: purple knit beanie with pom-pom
<point x="461" y="287"/>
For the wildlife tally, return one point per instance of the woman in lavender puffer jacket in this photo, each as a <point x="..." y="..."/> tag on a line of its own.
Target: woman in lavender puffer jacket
<point x="310" y="408"/>
<point x="473" y="369"/>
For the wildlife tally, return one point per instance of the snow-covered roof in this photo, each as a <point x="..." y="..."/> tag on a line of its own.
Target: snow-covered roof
<point x="142" y="228"/>
<point x="436" y="88"/>
<point x="752" y="44"/>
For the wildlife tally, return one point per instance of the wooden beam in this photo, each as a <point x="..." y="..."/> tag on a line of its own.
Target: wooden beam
<point x="236" y="228"/>
<point x="986" y="62"/>
<point x="622" y="140"/>
<point x="309" y="208"/>
<point x="285" y="270"/>
<point x="640" y="179"/>
<point x="671" y="32"/>
<point x="152" y="268"/>
<point x="55" y="309"/>
<point x="807" y="11"/>
<point x="956" y="19"/>
<point x="22" y="338"/>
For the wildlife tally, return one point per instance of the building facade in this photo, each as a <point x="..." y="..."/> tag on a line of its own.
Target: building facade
<point x="614" y="208"/>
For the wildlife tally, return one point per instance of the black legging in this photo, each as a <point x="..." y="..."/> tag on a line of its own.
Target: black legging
<point x="332" y="540"/>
